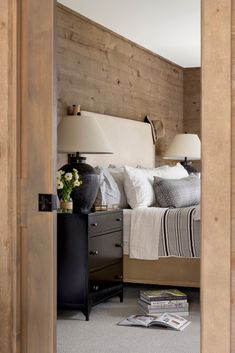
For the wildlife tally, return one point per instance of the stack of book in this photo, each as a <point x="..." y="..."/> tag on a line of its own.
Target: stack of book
<point x="156" y="302"/>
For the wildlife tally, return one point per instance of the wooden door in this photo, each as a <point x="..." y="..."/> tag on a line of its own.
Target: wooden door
<point x="37" y="174"/>
<point x="27" y="168"/>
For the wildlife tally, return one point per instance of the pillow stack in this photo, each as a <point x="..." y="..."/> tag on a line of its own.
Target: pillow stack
<point x="138" y="183"/>
<point x="164" y="186"/>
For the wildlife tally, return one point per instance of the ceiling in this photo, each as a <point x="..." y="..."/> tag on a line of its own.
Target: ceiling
<point x="170" y="28"/>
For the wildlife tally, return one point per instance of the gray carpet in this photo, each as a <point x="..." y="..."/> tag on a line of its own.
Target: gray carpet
<point x="102" y="335"/>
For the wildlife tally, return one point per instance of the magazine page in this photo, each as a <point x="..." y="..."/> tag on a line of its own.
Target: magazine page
<point x="126" y="322"/>
<point x="142" y="320"/>
<point x="137" y="320"/>
<point x="174" y="321"/>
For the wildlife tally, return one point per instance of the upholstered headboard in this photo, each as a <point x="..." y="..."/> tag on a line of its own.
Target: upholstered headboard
<point x="131" y="141"/>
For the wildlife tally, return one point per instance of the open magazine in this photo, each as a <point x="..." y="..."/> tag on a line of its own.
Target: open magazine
<point x="174" y="322"/>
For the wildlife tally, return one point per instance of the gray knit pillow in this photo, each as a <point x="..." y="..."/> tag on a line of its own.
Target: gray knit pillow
<point x="177" y="192"/>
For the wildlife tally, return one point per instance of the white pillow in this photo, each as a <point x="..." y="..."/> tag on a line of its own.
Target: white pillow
<point x="108" y="193"/>
<point x="138" y="183"/>
<point x="118" y="176"/>
<point x="111" y="189"/>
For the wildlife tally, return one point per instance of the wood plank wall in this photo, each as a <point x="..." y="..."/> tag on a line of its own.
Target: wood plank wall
<point x="192" y="101"/>
<point x="192" y="104"/>
<point x="108" y="74"/>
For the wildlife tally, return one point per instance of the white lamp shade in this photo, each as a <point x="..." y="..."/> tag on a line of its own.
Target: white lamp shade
<point x="184" y="145"/>
<point x="81" y="134"/>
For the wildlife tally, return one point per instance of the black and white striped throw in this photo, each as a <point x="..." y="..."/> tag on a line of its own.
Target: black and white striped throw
<point x="180" y="233"/>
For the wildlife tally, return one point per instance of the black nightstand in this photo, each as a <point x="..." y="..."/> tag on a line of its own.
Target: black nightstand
<point x="89" y="259"/>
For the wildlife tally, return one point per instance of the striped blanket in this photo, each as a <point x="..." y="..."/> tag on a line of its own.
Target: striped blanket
<point x="180" y="233"/>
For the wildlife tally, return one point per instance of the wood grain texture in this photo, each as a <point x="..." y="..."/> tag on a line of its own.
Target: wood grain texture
<point x="192" y="101"/>
<point x="233" y="186"/>
<point x="9" y="268"/>
<point x="108" y="74"/>
<point x="37" y="174"/>
<point x="192" y="104"/>
<point x="216" y="186"/>
<point x="167" y="271"/>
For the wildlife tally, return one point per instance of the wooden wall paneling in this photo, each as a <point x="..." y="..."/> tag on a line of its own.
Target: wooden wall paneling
<point x="192" y="104"/>
<point x="9" y="293"/>
<point x="108" y="74"/>
<point x="37" y="173"/>
<point x="192" y="100"/>
<point x="216" y="176"/>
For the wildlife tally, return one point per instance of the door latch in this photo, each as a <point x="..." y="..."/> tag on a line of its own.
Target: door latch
<point x="47" y="202"/>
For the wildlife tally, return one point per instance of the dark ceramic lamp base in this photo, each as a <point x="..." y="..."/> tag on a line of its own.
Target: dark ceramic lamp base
<point x="188" y="166"/>
<point x="83" y="196"/>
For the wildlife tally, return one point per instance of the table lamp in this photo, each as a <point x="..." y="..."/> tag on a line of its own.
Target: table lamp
<point x="185" y="148"/>
<point x="79" y="134"/>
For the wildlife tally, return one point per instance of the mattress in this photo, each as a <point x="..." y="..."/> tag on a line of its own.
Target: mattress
<point x="179" y="232"/>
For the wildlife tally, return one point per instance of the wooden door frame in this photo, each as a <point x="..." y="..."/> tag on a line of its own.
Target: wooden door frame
<point x="216" y="176"/>
<point x="9" y="304"/>
<point x="9" y="240"/>
<point x="27" y="126"/>
<point x="216" y="179"/>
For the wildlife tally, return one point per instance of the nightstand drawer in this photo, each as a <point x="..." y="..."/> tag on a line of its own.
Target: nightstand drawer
<point x="112" y="275"/>
<point x="105" y="250"/>
<point x="99" y="223"/>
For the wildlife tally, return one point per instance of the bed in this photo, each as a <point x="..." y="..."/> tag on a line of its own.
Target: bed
<point x="133" y="146"/>
<point x="176" y="265"/>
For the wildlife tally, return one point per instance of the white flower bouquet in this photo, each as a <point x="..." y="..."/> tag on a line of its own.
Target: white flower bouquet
<point x="66" y="182"/>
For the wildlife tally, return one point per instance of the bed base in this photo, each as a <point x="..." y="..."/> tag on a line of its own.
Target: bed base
<point x="172" y="271"/>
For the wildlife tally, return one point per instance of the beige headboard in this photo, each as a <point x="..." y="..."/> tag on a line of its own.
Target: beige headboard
<point x="131" y="141"/>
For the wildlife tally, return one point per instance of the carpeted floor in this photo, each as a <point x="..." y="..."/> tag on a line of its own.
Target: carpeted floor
<point x="102" y="335"/>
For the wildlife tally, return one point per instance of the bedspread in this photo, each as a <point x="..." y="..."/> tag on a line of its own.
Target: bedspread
<point x="179" y="232"/>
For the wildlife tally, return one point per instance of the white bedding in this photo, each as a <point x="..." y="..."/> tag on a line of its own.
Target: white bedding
<point x="144" y="221"/>
<point x="152" y="232"/>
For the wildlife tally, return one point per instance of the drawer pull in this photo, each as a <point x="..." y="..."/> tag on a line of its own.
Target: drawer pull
<point x="94" y="224"/>
<point x="118" y="277"/>
<point x="95" y="288"/>
<point x="95" y="252"/>
<point x="118" y="219"/>
<point x="118" y="245"/>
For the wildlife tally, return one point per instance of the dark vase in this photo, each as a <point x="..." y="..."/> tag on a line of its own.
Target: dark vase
<point x="84" y="195"/>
